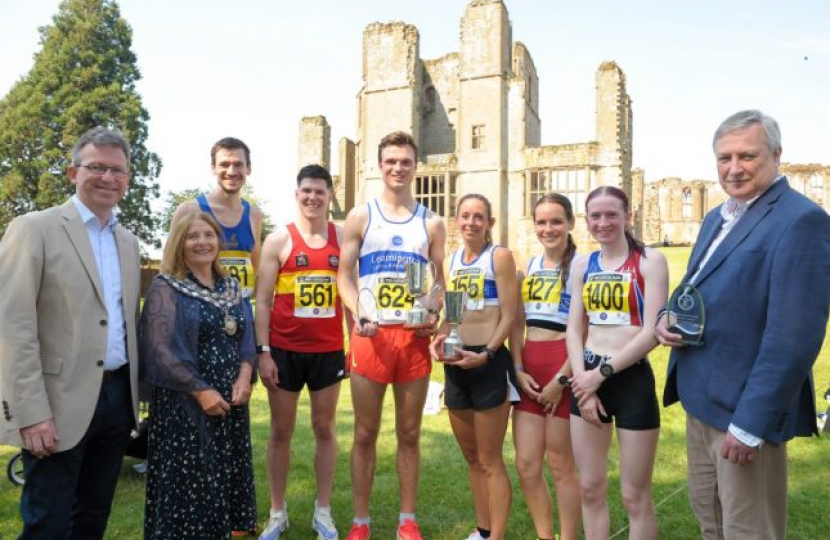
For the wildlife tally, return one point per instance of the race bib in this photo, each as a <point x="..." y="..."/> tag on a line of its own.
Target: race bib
<point x="470" y="280"/>
<point x="542" y="292"/>
<point x="606" y="298"/>
<point x="392" y="298"/>
<point x="315" y="296"/>
<point x="239" y="266"/>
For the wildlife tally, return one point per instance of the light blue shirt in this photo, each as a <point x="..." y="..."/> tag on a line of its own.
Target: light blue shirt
<point x="105" y="250"/>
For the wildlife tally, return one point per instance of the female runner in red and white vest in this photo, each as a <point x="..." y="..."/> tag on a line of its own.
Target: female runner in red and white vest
<point x="618" y="291"/>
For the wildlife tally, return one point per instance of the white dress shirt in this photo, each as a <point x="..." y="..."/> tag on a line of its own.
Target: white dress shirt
<point x="105" y="249"/>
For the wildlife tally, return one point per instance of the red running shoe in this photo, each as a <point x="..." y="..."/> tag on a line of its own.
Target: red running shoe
<point x="359" y="532"/>
<point x="409" y="531"/>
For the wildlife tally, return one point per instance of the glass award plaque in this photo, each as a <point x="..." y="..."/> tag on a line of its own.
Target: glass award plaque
<point x="685" y="315"/>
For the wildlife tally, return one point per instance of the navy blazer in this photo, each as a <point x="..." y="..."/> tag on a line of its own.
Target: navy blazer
<point x="766" y="291"/>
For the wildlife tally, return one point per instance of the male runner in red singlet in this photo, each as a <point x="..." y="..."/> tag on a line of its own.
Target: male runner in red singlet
<point x="300" y="336"/>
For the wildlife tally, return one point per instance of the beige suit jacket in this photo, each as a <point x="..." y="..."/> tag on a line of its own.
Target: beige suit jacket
<point x="53" y="323"/>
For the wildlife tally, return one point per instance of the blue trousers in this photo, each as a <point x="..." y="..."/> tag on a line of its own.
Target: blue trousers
<point x="68" y="495"/>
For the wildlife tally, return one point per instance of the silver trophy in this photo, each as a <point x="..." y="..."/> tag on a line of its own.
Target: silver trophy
<point x="454" y="304"/>
<point x="366" y="313"/>
<point x="417" y="275"/>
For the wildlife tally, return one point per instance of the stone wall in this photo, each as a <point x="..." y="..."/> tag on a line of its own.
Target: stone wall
<point x="389" y="99"/>
<point x="613" y="126"/>
<point x="812" y="180"/>
<point x="314" y="145"/>
<point x="674" y="209"/>
<point x="439" y="105"/>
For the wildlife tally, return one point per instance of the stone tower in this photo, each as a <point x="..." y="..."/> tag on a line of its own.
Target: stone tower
<point x="484" y="72"/>
<point x="475" y="115"/>
<point x="314" y="145"/>
<point x="613" y="117"/>
<point x="388" y="100"/>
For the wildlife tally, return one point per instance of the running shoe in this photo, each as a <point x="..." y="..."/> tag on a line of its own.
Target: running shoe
<point x="277" y="524"/>
<point x="409" y="531"/>
<point x="323" y="525"/>
<point x="475" y="535"/>
<point x="359" y="532"/>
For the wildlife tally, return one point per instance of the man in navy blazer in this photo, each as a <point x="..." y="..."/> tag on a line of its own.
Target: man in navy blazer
<point x="762" y="266"/>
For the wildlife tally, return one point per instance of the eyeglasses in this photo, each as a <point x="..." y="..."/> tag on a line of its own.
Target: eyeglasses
<point x="100" y="170"/>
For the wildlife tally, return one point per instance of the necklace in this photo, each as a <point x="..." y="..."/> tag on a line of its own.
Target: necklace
<point x="224" y="300"/>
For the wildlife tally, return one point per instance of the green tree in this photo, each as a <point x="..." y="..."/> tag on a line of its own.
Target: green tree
<point x="83" y="76"/>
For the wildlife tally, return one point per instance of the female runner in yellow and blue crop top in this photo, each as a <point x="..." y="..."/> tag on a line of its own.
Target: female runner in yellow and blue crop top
<point x="541" y="420"/>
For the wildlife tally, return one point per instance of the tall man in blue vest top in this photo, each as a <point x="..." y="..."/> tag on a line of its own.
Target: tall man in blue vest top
<point x="241" y="221"/>
<point x="762" y="266"/>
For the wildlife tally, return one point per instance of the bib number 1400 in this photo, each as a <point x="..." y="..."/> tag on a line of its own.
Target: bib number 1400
<point x="606" y="296"/>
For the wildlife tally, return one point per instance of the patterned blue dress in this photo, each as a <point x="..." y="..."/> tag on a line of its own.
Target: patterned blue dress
<point x="200" y="482"/>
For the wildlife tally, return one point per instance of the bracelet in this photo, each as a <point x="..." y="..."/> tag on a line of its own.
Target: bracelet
<point x="432" y="311"/>
<point x="262" y="349"/>
<point x="519" y="369"/>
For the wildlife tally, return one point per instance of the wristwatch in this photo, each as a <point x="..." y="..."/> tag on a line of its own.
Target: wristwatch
<point x="489" y="352"/>
<point x="563" y="380"/>
<point x="606" y="369"/>
<point x="262" y="348"/>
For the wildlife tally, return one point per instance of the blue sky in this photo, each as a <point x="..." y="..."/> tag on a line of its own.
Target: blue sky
<point x="253" y="68"/>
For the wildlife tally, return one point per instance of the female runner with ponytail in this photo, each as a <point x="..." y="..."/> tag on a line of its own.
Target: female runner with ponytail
<point x="541" y="426"/>
<point x="618" y="291"/>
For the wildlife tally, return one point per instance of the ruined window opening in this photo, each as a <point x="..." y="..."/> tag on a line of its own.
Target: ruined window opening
<point x="478" y="137"/>
<point x="530" y="91"/>
<point x="570" y="183"/>
<point x="686" y="204"/>
<point x="429" y="98"/>
<point x="437" y="192"/>
<point x="817" y="187"/>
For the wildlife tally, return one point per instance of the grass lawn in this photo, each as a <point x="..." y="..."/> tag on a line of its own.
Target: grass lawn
<point x="445" y="505"/>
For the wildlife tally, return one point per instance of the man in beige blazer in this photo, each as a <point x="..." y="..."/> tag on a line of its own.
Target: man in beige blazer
<point x="68" y="355"/>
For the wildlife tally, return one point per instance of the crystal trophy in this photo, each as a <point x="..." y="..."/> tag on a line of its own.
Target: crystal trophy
<point x="685" y="315"/>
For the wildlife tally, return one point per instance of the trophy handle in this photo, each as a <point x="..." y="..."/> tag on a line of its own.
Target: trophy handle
<point x="431" y="297"/>
<point x="360" y="294"/>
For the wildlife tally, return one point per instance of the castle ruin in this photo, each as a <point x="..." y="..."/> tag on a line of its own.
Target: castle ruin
<point x="475" y="116"/>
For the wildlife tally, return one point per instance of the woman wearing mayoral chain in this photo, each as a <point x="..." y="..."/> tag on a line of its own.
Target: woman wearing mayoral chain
<point x="197" y="349"/>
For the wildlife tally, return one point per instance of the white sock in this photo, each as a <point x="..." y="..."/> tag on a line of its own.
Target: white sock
<point x="275" y="512"/>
